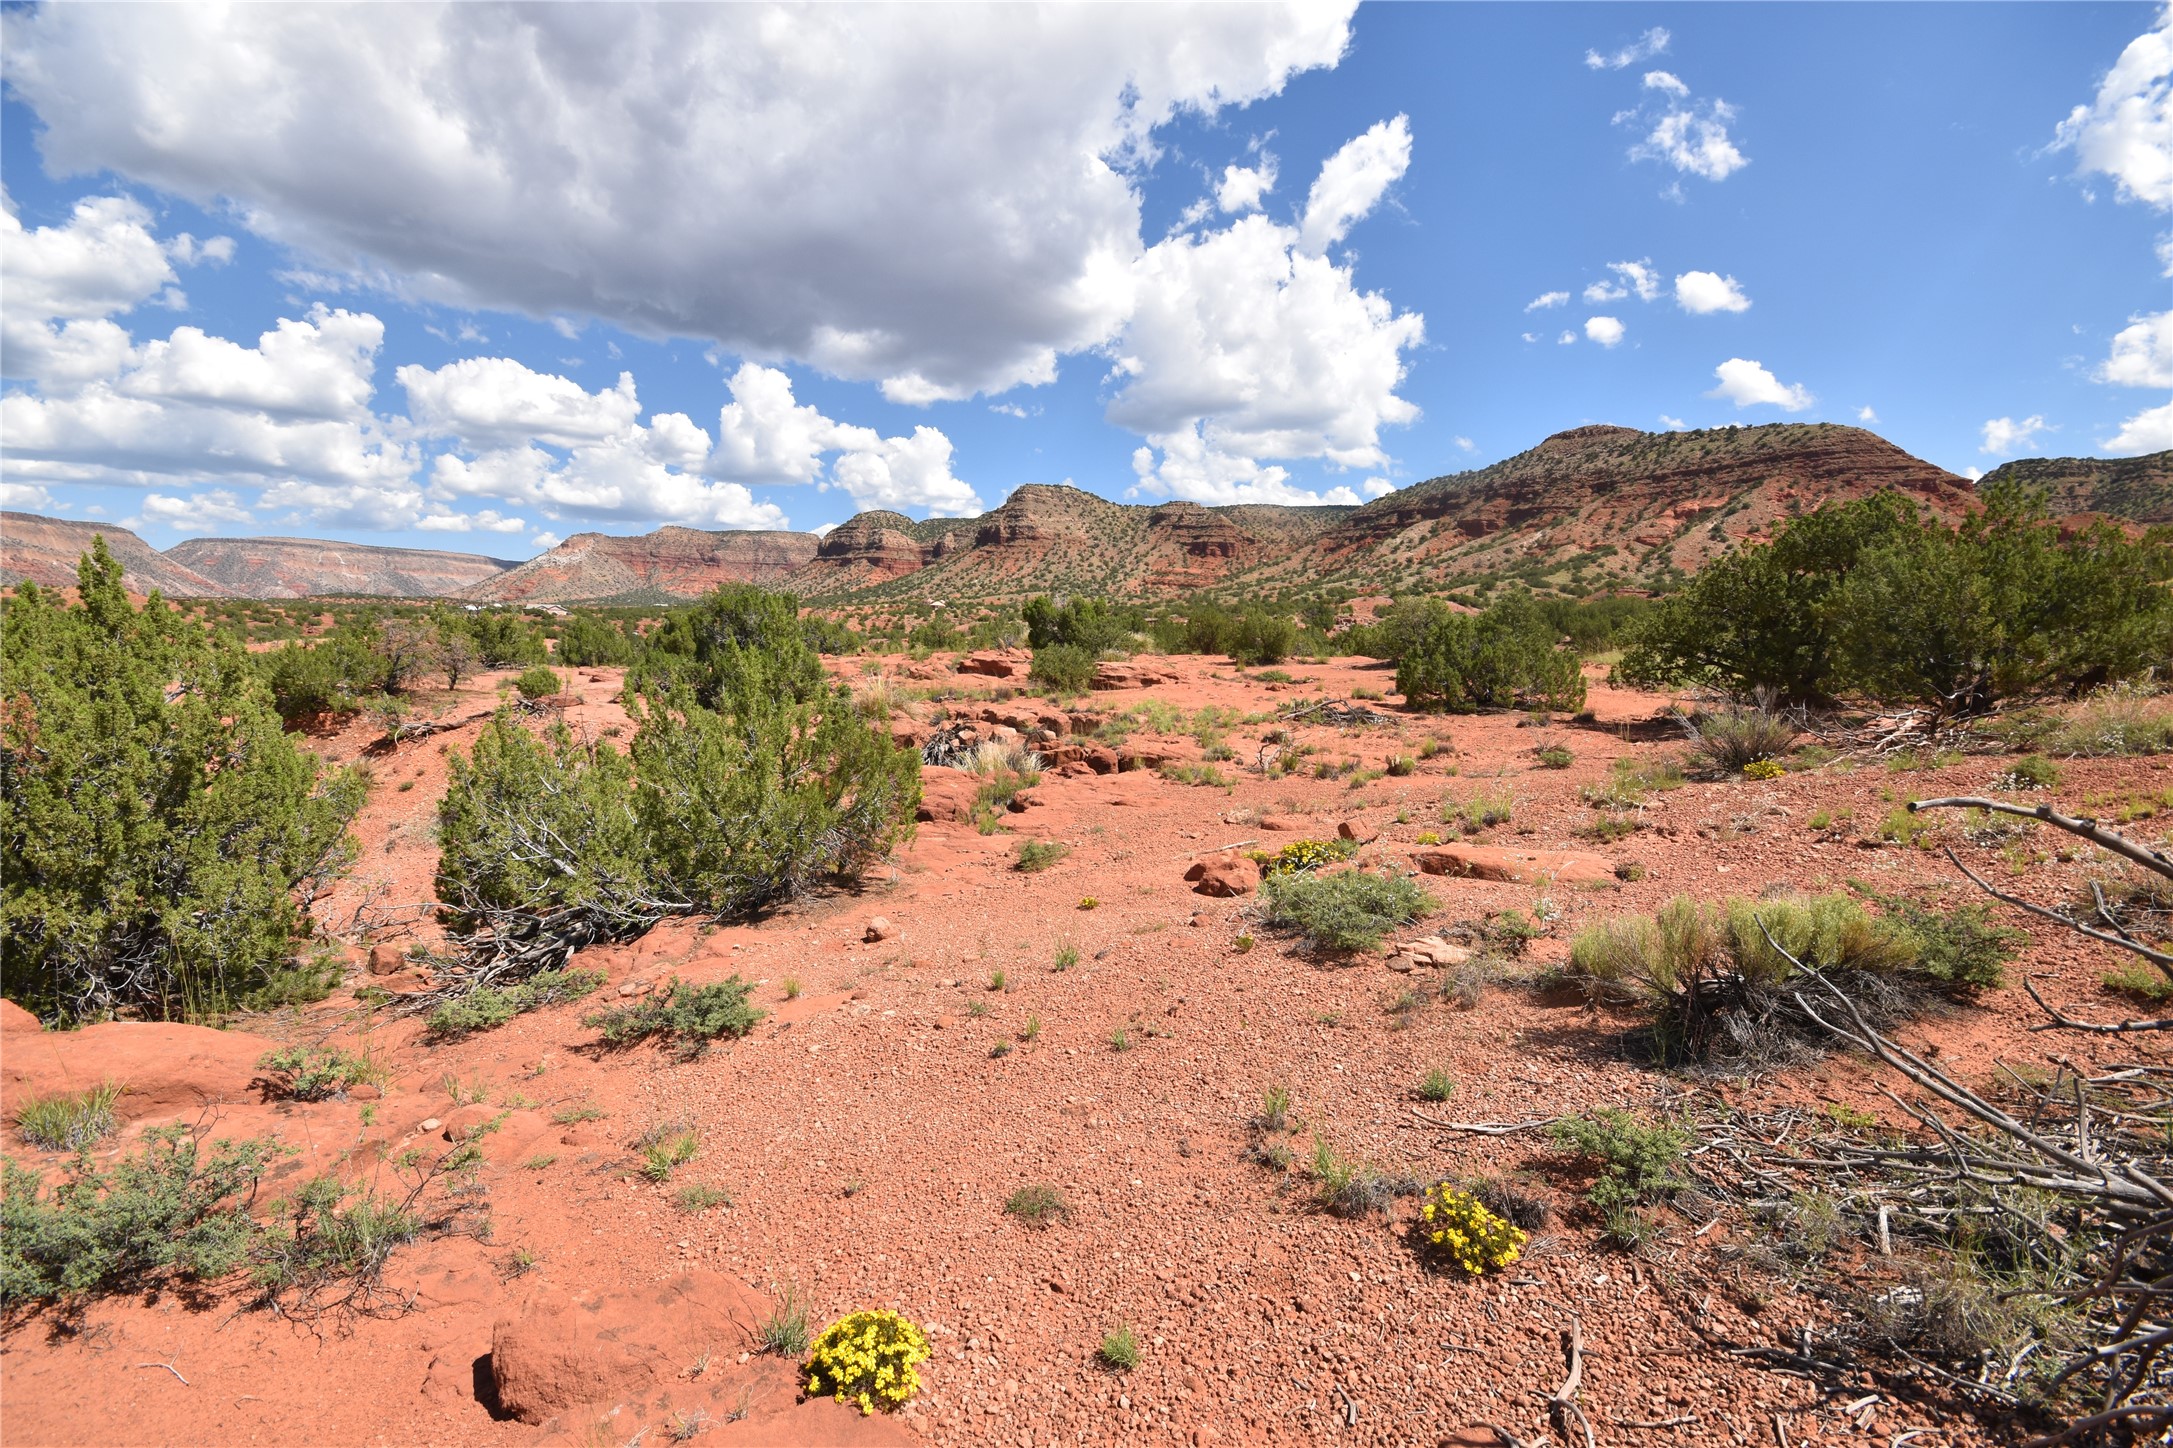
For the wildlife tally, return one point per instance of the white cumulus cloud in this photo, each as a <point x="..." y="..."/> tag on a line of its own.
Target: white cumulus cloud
<point x="198" y="513"/>
<point x="661" y="166"/>
<point x="1661" y="80"/>
<point x="1353" y="180"/>
<point x="1545" y="300"/>
<point x="1653" y="42"/>
<point x="1694" y="140"/>
<point x="2126" y="132"/>
<point x="494" y="401"/>
<point x="2150" y="430"/>
<point x="1606" y="331"/>
<point x="1866" y="414"/>
<point x="1243" y="186"/>
<point x="1247" y="343"/>
<point x="2004" y="436"/>
<point x="1748" y="384"/>
<point x="2142" y="354"/>
<point x="1704" y="291"/>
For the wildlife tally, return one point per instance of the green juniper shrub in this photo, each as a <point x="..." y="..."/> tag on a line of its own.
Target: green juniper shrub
<point x="1554" y="756"/>
<point x="175" y="1208"/>
<point x="1062" y="668"/>
<point x="691" y="1013"/>
<point x="155" y="820"/>
<point x="746" y="781"/>
<point x="586" y="641"/>
<point x="538" y="683"/>
<point x="1088" y="624"/>
<point x="1343" y="912"/>
<point x="1499" y="659"/>
<point x="1870" y="597"/>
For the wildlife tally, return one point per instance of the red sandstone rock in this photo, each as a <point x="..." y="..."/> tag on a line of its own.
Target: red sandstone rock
<point x="168" y="1069"/>
<point x="1223" y="876"/>
<point x="386" y="960"/>
<point x="1484" y="862"/>
<point x="555" y="1352"/>
<point x="947" y="794"/>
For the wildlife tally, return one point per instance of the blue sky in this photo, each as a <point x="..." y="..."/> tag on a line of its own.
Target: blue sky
<point x="480" y="279"/>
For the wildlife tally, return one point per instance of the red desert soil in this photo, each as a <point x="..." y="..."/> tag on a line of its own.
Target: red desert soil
<point x="868" y="1136"/>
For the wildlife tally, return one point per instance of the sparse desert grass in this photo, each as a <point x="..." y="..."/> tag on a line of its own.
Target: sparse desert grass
<point x="1037" y="855"/>
<point x="1119" y="1351"/>
<point x="1038" y="1205"/>
<point x="69" y="1122"/>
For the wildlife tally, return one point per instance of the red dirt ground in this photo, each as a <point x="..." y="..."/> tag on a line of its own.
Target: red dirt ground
<point x="868" y="1137"/>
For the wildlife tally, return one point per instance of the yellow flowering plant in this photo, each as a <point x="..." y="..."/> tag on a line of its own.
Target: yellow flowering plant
<point x="1454" y="1225"/>
<point x="1764" y="769"/>
<point x="868" y="1358"/>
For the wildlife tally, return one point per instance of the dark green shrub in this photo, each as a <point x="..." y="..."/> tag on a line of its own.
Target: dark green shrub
<point x="1867" y="597"/>
<point x="155" y="820"/>
<point x="174" y="1208"/>
<point x="692" y="1013"/>
<point x="1965" y="947"/>
<point x="1063" y="668"/>
<point x="502" y="637"/>
<point x="1499" y="659"/>
<point x="1090" y="624"/>
<point x="738" y="643"/>
<point x="717" y="810"/>
<point x="1350" y="910"/>
<point x="586" y="642"/>
<point x="538" y="683"/>
<point x="1637" y="1162"/>
<point x="1554" y="756"/>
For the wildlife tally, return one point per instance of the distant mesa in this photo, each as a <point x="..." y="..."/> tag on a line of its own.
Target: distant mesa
<point x="1587" y="509"/>
<point x="44" y="551"/>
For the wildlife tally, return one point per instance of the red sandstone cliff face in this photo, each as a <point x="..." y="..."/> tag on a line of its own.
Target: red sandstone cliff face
<point x="871" y="548"/>
<point x="44" y="551"/>
<point x="1189" y="546"/>
<point x="2129" y="490"/>
<point x="669" y="563"/>
<point x="307" y="567"/>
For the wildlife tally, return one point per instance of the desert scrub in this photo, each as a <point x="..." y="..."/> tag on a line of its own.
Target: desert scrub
<point x="1482" y="811"/>
<point x="2031" y="771"/>
<point x="1719" y="990"/>
<point x="1037" y="855"/>
<point x="1119" y="1351"/>
<point x="700" y="1197"/>
<point x="1554" y="756"/>
<point x="69" y="1122"/>
<point x="665" y="1150"/>
<point x="1038" y="1205"/>
<point x="537" y="683"/>
<point x="1302" y="855"/>
<point x="1436" y="1085"/>
<point x="1205" y="775"/>
<point x="1345" y="912"/>
<point x="178" y="1208"/>
<point x="1455" y="1227"/>
<point x="1637" y="1163"/>
<point x="316" y="1073"/>
<point x="868" y="1358"/>
<point x="694" y="1014"/>
<point x="1067" y="956"/>
<point x="1730" y="742"/>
